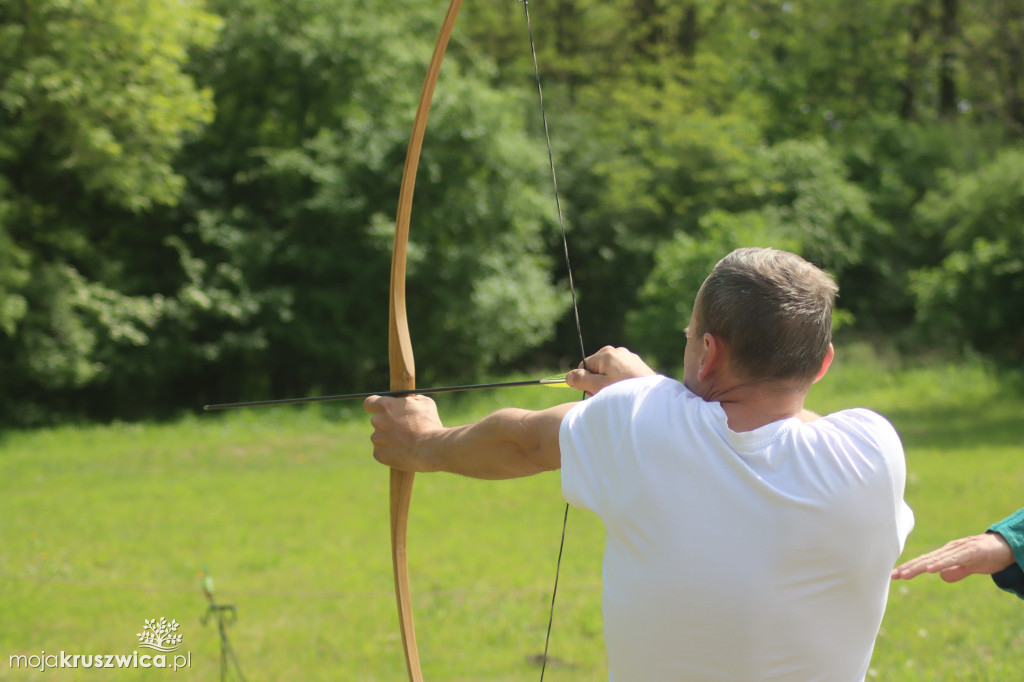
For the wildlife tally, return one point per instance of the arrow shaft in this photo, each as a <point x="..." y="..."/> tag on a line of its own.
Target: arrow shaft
<point x="555" y="381"/>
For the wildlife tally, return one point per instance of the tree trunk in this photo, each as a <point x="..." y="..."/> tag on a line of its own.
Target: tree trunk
<point x="947" y="65"/>
<point x="917" y="20"/>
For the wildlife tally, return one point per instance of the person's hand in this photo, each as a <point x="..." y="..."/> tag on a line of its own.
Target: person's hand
<point x="605" y="367"/>
<point x="987" y="553"/>
<point x="400" y="428"/>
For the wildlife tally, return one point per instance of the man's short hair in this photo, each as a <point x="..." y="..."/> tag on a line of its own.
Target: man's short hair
<point x="773" y="311"/>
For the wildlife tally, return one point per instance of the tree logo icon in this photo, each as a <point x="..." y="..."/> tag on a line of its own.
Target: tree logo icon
<point x="159" y="635"/>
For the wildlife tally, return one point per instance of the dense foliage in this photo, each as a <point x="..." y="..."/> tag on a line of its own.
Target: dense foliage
<point x="196" y="199"/>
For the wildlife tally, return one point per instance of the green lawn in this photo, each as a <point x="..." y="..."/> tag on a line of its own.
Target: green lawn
<point x="103" y="527"/>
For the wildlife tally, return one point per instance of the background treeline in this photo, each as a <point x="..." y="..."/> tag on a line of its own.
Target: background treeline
<point x="197" y="200"/>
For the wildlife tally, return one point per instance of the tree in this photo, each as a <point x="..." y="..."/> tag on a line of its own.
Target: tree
<point x="991" y="78"/>
<point x="94" y="106"/>
<point x="974" y="294"/>
<point x="296" y="182"/>
<point x="801" y="202"/>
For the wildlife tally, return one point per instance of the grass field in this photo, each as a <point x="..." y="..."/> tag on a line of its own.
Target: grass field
<point x="102" y="527"/>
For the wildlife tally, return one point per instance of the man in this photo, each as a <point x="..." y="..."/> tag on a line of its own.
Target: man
<point x="747" y="538"/>
<point x="998" y="552"/>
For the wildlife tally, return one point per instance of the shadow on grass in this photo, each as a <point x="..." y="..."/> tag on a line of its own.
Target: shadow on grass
<point x="956" y="428"/>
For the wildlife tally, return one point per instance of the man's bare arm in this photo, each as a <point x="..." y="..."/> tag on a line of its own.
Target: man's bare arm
<point x="510" y="443"/>
<point x="408" y="433"/>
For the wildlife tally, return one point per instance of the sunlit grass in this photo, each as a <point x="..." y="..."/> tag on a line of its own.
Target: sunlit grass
<point x="105" y="526"/>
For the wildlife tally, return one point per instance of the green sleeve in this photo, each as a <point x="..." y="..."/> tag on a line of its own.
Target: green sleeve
<point x="1012" y="528"/>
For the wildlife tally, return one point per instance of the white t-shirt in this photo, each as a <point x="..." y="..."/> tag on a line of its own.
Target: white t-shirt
<point x="762" y="555"/>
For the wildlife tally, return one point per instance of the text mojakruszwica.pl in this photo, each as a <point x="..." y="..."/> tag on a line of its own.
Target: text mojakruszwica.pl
<point x="44" y="661"/>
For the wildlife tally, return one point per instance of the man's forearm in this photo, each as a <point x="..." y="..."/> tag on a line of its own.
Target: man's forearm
<point x="510" y="443"/>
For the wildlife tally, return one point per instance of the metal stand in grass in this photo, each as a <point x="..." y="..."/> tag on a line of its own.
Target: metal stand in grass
<point x="226" y="614"/>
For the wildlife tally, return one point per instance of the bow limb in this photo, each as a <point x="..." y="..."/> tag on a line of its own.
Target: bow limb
<point x="403" y="370"/>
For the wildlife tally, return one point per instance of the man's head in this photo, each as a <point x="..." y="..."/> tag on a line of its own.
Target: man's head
<point x="773" y="312"/>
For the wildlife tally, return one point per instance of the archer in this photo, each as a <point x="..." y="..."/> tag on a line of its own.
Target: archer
<point x="747" y="537"/>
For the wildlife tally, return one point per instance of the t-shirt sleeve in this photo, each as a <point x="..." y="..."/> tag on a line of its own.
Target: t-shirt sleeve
<point x="892" y="447"/>
<point x="874" y="429"/>
<point x="590" y="438"/>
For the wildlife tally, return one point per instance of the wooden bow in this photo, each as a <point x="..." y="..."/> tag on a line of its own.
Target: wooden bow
<point x="403" y="369"/>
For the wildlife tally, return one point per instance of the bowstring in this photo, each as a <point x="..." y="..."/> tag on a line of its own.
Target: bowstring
<point x="554" y="181"/>
<point x="575" y="310"/>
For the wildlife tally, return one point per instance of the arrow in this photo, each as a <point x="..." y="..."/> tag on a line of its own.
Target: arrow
<point x="555" y="382"/>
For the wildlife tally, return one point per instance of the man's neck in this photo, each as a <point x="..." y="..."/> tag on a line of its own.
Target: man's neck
<point x="751" y="406"/>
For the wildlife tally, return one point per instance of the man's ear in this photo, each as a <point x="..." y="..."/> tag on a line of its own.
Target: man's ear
<point x="826" y="363"/>
<point x="714" y="355"/>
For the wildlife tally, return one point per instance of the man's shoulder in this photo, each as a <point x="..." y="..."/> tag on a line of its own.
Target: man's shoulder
<point x="630" y="397"/>
<point x="640" y="386"/>
<point x="864" y="426"/>
<point x="858" y="417"/>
